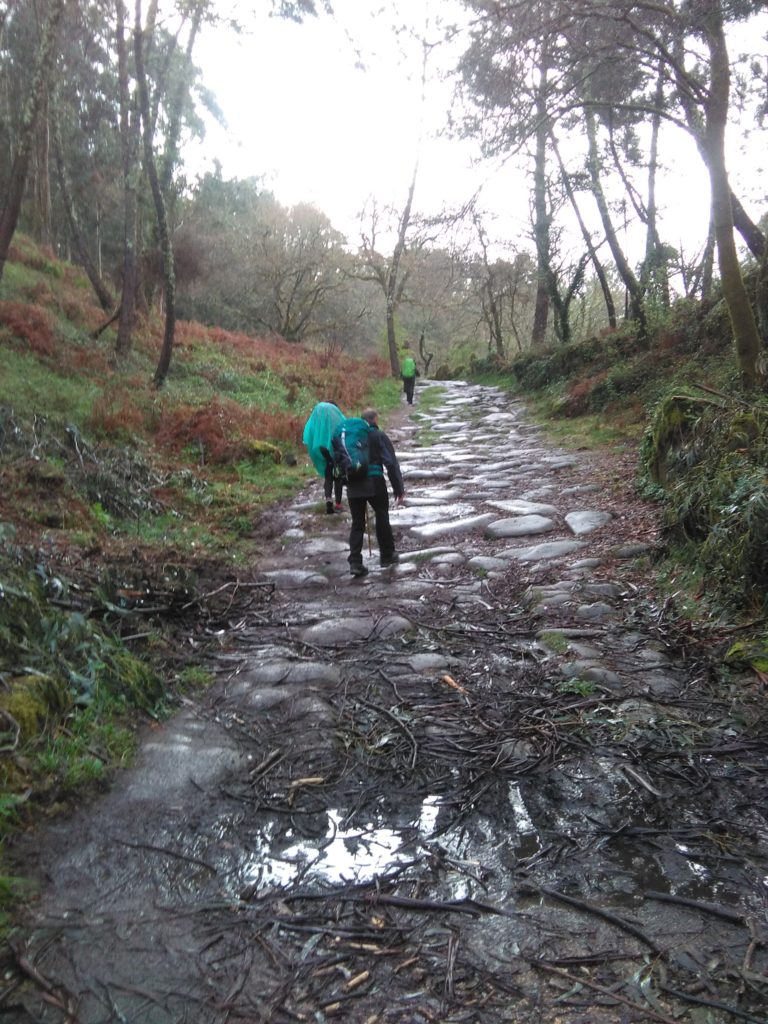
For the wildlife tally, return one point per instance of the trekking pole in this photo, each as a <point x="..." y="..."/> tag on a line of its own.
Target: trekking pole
<point x="368" y="531"/>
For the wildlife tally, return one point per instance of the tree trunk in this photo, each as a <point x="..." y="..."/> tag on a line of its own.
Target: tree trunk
<point x="43" y="66"/>
<point x="753" y="237"/>
<point x="176" y="109"/>
<point x="636" y="310"/>
<point x="492" y="314"/>
<point x="541" y="216"/>
<point x="654" y="276"/>
<point x="395" y="284"/>
<point x="43" y="175"/>
<point x="103" y="294"/>
<point x="169" y="278"/>
<point x="129" y="145"/>
<point x="602" y="278"/>
<point x="742" y="318"/>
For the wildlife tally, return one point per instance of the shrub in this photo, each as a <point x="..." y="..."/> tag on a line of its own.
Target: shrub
<point x="224" y="431"/>
<point x="709" y="455"/>
<point x="28" y="324"/>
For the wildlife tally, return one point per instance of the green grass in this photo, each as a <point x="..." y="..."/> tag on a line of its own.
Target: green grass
<point x="431" y="398"/>
<point x="384" y="394"/>
<point x="25" y="379"/>
<point x="554" y="641"/>
<point x="591" y="430"/>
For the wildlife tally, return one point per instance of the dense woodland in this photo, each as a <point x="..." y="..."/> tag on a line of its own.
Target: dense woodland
<point x="98" y="98"/>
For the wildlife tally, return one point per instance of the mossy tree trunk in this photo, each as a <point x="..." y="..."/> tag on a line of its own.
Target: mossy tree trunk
<point x="743" y="322"/>
<point x="164" y="234"/>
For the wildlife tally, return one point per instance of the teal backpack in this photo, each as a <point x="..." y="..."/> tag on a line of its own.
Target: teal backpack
<point x="351" y="453"/>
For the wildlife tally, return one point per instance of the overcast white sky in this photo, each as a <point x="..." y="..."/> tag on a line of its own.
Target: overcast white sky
<point x="330" y="112"/>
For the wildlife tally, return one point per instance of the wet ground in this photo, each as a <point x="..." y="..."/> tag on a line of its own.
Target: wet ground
<point x="496" y="782"/>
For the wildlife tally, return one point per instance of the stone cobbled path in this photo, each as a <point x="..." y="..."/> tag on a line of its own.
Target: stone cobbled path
<point x="488" y="784"/>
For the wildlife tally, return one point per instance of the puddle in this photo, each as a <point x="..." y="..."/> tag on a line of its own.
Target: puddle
<point x="354" y="854"/>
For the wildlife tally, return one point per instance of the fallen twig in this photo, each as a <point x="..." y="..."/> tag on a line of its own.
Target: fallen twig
<point x="613" y="919"/>
<point x="168" y="853"/>
<point x="702" y="905"/>
<point x="647" y="1012"/>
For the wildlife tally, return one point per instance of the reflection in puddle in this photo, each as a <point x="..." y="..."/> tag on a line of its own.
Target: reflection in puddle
<point x="355" y="854"/>
<point x="524" y="821"/>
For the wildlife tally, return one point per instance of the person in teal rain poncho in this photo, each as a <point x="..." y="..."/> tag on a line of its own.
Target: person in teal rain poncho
<point x="323" y="420"/>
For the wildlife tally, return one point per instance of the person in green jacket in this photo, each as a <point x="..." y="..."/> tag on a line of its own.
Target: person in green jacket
<point x="408" y="372"/>
<point x="318" y="430"/>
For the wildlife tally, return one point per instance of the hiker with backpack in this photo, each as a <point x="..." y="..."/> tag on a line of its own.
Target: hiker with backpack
<point x="408" y="372"/>
<point x="318" y="431"/>
<point x="362" y="451"/>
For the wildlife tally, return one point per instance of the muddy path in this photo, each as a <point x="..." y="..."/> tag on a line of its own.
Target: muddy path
<point x="497" y="782"/>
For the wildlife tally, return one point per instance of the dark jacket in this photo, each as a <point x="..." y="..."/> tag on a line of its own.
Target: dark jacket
<point x="381" y="454"/>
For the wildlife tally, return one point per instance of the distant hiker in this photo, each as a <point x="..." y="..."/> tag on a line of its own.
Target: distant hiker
<point x="361" y="451"/>
<point x="408" y="372"/>
<point x="318" y="431"/>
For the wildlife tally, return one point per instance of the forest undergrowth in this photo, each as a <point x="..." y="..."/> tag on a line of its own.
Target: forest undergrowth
<point x="128" y="514"/>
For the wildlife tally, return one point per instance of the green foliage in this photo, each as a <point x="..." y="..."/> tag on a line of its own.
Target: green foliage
<point x="554" y="641"/>
<point x="25" y="380"/>
<point x="101" y="516"/>
<point x="431" y="398"/>
<point x="708" y="456"/>
<point x="752" y="652"/>
<point x="68" y="660"/>
<point x="578" y="687"/>
<point x="193" y="677"/>
<point x="384" y="393"/>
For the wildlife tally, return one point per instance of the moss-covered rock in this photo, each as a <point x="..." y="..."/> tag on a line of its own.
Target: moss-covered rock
<point x="32" y="700"/>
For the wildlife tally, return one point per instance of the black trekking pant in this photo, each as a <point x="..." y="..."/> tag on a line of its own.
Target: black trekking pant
<point x="332" y="484"/>
<point x="409" y="383"/>
<point x="379" y="502"/>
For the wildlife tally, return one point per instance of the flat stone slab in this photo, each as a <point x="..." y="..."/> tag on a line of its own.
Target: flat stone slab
<point x="275" y="673"/>
<point x="520" y="526"/>
<point x="554" y="549"/>
<point x="425" y="474"/>
<point x="587" y="521"/>
<point x="488" y="563"/>
<point x="429" y="662"/>
<point x="580" y="489"/>
<point x="424" y="554"/>
<point x="340" y="631"/>
<point x="453" y="527"/>
<point x="295" y="579"/>
<point x="185" y="751"/>
<point x="452" y="558"/>
<point x="524" y="508"/>
<point x="418" y="515"/>
<point x="591" y="673"/>
<point x="323" y="546"/>
<point x="438" y="494"/>
<point x="598" y="611"/>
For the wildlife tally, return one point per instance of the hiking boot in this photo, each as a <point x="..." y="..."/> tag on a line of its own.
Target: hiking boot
<point x="392" y="559"/>
<point x="358" y="569"/>
<point x="339" y="507"/>
<point x="329" y="508"/>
